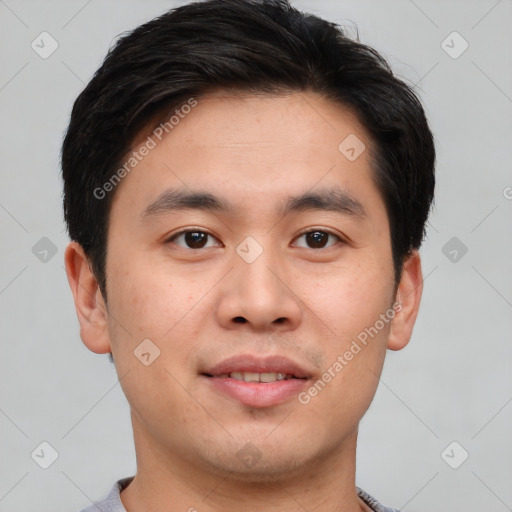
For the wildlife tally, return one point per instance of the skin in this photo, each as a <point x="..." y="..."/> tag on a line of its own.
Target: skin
<point x="307" y="302"/>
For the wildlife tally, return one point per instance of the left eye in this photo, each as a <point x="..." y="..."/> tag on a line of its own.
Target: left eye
<point x="317" y="239"/>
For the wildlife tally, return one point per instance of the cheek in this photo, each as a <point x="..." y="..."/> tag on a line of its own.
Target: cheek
<point x="351" y="305"/>
<point x="354" y="347"/>
<point x="150" y="299"/>
<point x="351" y="299"/>
<point x="155" y="302"/>
<point x="146" y="304"/>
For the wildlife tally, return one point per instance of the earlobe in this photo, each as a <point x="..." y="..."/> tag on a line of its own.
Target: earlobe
<point x="409" y="293"/>
<point x="89" y="304"/>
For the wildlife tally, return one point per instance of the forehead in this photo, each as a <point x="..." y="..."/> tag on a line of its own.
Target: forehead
<point x="254" y="146"/>
<point x="297" y="124"/>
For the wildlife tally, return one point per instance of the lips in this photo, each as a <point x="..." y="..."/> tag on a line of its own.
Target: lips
<point x="257" y="381"/>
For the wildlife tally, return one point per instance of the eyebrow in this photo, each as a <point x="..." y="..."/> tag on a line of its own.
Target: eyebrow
<point x="332" y="199"/>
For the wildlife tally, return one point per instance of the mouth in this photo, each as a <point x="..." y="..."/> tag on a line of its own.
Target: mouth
<point x="255" y="377"/>
<point x="251" y="368"/>
<point x="257" y="382"/>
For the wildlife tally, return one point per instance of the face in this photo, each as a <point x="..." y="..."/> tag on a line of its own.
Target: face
<point x="280" y="268"/>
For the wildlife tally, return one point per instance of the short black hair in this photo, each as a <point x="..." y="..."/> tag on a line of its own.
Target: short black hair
<point x="253" y="46"/>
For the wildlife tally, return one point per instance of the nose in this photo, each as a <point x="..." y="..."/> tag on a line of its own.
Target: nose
<point x="260" y="295"/>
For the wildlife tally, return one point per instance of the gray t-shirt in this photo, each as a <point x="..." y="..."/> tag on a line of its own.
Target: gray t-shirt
<point x="112" y="502"/>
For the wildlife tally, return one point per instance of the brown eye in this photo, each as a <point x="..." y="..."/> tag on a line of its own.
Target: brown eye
<point x="318" y="239"/>
<point x="192" y="239"/>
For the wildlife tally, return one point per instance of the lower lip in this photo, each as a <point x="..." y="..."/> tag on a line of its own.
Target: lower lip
<point x="258" y="394"/>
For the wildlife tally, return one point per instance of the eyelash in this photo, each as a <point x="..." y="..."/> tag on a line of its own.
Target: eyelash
<point x="326" y="231"/>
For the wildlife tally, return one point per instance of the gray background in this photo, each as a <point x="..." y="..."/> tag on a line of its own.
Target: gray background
<point x="452" y="383"/>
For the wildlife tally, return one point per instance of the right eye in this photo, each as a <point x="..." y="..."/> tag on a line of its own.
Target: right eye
<point x="192" y="238"/>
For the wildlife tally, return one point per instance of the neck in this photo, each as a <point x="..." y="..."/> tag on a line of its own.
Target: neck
<point x="170" y="482"/>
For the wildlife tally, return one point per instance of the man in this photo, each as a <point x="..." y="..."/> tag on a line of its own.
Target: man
<point x="246" y="190"/>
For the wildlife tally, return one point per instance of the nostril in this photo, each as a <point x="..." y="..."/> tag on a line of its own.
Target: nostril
<point x="239" y="320"/>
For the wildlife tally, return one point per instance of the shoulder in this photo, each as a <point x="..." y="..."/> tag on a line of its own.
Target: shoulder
<point x="374" y="504"/>
<point x="112" y="501"/>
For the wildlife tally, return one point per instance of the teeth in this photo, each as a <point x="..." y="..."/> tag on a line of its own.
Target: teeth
<point x="258" y="377"/>
<point x="251" y="377"/>
<point x="271" y="377"/>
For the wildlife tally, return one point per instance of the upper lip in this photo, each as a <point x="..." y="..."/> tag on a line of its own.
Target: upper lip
<point x="250" y="363"/>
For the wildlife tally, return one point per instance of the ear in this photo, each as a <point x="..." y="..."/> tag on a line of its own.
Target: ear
<point x="408" y="296"/>
<point x="90" y="306"/>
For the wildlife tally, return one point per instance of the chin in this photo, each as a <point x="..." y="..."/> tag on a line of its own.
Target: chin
<point x="262" y="468"/>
